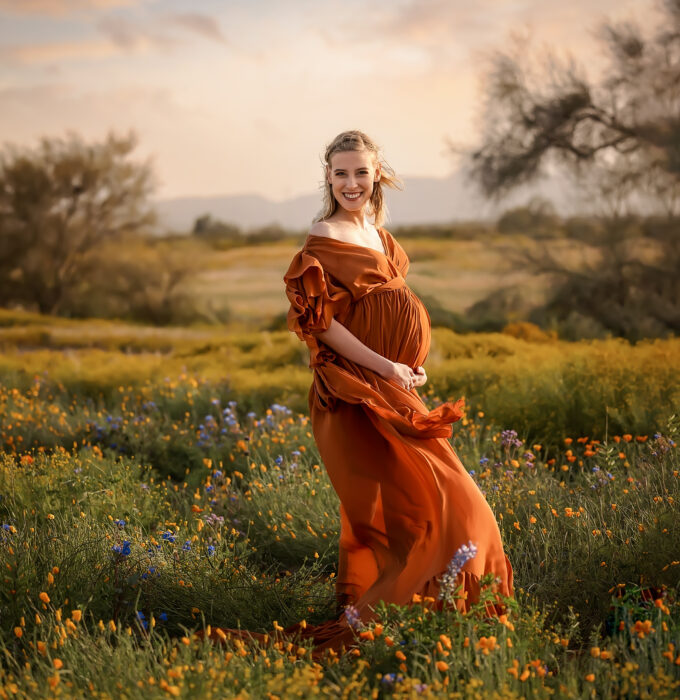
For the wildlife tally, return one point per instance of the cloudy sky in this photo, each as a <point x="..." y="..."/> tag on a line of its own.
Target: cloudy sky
<point x="241" y="96"/>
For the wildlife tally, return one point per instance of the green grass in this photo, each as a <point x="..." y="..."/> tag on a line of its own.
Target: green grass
<point x="230" y="520"/>
<point x="544" y="388"/>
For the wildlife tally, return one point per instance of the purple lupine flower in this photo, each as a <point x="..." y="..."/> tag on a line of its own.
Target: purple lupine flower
<point x="448" y="581"/>
<point x="353" y="618"/>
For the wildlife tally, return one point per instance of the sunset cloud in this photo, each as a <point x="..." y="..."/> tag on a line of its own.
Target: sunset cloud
<point x="129" y="35"/>
<point x="56" y="52"/>
<point x="56" y="8"/>
<point x="236" y="82"/>
<point x="200" y="24"/>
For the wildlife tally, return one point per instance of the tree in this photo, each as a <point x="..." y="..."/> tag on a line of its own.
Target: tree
<point x="536" y="218"/>
<point x="621" y="138"/>
<point x="628" y="124"/>
<point x="207" y="227"/>
<point x="59" y="203"/>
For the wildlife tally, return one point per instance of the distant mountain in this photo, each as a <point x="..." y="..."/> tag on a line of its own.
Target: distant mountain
<point x="423" y="200"/>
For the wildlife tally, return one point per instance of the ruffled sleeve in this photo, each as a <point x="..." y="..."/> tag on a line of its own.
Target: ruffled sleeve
<point x="315" y="299"/>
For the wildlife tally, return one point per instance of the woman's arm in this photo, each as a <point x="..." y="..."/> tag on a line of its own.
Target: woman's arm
<point x="349" y="346"/>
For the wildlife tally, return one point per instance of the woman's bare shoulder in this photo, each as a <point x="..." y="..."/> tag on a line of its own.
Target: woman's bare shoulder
<point x="322" y="228"/>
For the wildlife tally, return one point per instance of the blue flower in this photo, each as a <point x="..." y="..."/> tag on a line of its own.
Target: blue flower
<point x="140" y="617"/>
<point x="187" y="546"/>
<point x="163" y="617"/>
<point x="123" y="549"/>
<point x="483" y="460"/>
<point x="120" y="523"/>
<point x="169" y="536"/>
<point x="211" y="550"/>
<point x="278" y="460"/>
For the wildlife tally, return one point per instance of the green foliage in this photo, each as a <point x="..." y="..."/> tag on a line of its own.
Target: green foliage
<point x="145" y="561"/>
<point x="60" y="202"/>
<point x="533" y="383"/>
<point x="537" y="218"/>
<point x="618" y="136"/>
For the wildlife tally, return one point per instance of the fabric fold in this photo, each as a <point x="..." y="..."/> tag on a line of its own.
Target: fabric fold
<point x="314" y="299"/>
<point x="401" y="408"/>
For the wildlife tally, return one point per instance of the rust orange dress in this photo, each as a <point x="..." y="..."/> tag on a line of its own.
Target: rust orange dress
<point x="406" y="501"/>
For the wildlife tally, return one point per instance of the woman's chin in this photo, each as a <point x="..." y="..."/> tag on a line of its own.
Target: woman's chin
<point x="349" y="205"/>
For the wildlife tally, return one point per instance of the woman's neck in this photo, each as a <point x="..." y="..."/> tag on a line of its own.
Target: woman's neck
<point x="355" y="218"/>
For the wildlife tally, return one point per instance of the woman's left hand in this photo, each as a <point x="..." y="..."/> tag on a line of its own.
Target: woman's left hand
<point x="421" y="376"/>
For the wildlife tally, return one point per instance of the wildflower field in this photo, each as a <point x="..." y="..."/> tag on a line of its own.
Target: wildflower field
<point x="159" y="482"/>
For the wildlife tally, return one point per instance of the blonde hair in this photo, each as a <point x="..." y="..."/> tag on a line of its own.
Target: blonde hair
<point x="355" y="140"/>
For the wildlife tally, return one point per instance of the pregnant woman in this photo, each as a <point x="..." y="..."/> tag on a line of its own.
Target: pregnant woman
<point x="406" y="501"/>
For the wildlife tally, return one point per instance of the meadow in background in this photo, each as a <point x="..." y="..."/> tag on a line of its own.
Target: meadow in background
<point x="155" y="482"/>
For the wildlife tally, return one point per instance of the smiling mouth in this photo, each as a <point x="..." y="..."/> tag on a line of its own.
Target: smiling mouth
<point x="352" y="195"/>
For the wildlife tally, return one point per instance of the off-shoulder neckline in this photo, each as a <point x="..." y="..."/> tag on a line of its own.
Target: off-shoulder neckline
<point x="379" y="229"/>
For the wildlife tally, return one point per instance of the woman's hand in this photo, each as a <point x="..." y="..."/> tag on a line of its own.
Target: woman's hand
<point x="420" y="376"/>
<point x="405" y="376"/>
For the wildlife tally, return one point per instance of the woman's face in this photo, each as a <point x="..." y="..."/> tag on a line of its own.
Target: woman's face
<point x="352" y="175"/>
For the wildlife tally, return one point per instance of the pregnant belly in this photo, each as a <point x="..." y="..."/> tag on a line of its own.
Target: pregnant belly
<point x="394" y="323"/>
